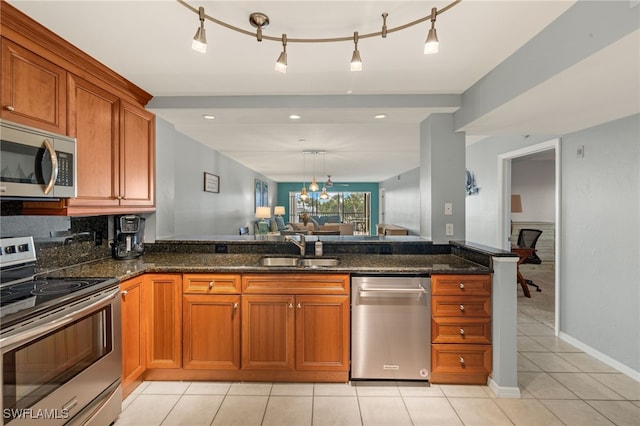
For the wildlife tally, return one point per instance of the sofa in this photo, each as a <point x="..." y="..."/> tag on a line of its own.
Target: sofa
<point x="312" y="228"/>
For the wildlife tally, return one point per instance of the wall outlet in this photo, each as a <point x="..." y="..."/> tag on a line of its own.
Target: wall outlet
<point x="448" y="209"/>
<point x="449" y="229"/>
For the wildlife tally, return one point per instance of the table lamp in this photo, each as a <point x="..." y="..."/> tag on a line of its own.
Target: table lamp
<point x="263" y="213"/>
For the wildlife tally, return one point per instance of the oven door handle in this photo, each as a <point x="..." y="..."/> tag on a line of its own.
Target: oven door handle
<point x="10" y="342"/>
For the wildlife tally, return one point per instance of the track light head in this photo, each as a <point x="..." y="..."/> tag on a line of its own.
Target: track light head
<point x="199" y="43"/>
<point x="356" y="60"/>
<point x="431" y="44"/>
<point x="281" y="63"/>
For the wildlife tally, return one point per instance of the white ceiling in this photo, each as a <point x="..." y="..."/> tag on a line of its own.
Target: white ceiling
<point x="148" y="42"/>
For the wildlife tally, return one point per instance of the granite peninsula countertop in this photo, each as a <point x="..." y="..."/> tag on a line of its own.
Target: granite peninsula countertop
<point x="246" y="263"/>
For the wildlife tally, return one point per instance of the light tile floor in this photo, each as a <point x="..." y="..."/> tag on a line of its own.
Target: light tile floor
<point x="560" y="385"/>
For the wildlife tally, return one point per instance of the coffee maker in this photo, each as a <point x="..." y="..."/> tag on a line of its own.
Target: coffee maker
<point x="129" y="237"/>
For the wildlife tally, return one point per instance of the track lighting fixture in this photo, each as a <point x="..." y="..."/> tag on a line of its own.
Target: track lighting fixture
<point x="281" y="63"/>
<point x="199" y="43"/>
<point x="260" y="21"/>
<point x="431" y="45"/>
<point x="356" y="61"/>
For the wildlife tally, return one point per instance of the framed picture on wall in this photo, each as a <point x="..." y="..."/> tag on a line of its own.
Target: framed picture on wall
<point x="258" y="193"/>
<point x="265" y="194"/>
<point x="211" y="182"/>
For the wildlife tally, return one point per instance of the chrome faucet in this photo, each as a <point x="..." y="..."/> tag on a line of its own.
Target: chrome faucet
<point x="302" y="245"/>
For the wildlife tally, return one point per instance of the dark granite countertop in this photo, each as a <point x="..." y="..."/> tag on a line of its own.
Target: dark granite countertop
<point x="244" y="263"/>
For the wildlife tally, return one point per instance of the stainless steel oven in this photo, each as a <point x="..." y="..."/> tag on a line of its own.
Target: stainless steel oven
<point x="61" y="352"/>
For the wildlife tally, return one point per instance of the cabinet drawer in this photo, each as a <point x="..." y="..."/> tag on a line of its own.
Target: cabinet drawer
<point x="453" y="306"/>
<point x="460" y="285"/>
<point x="461" y="330"/>
<point x="211" y="283"/>
<point x="460" y="359"/>
<point x="295" y="283"/>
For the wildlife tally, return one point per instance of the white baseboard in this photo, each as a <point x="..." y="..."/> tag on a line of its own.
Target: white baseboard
<point x="635" y="375"/>
<point x="503" y="391"/>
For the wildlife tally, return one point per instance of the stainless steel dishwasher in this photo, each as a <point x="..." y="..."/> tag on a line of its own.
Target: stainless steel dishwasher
<point x="390" y="327"/>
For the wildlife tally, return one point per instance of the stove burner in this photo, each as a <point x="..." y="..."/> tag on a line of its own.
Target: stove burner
<point x="59" y="287"/>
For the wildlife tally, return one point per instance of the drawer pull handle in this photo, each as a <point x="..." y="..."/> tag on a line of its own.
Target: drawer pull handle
<point x="9" y="108"/>
<point x="461" y="361"/>
<point x="210" y="285"/>
<point x="462" y="308"/>
<point x="462" y="331"/>
<point x="461" y="285"/>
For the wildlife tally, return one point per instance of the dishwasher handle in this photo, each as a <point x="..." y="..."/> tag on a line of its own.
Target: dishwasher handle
<point x="419" y="290"/>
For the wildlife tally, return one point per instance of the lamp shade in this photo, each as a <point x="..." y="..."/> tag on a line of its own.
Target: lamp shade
<point x="278" y="210"/>
<point x="516" y="203"/>
<point x="263" y="212"/>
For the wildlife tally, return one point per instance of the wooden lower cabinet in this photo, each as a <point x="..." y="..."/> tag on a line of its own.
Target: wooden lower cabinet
<point x="211" y="332"/>
<point x="461" y="329"/>
<point x="163" y="305"/>
<point x="322" y="333"/>
<point x="133" y="332"/>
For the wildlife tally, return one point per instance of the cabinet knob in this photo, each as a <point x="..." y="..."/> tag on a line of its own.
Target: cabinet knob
<point x="9" y="108"/>
<point x="210" y="285"/>
<point x="124" y="293"/>
<point x="462" y="331"/>
<point x="461" y="285"/>
<point x="462" y="307"/>
<point x="235" y="306"/>
<point x="461" y="361"/>
<point x="299" y="305"/>
<point x="290" y="305"/>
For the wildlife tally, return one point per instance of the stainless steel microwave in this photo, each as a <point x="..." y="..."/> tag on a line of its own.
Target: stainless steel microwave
<point x="35" y="163"/>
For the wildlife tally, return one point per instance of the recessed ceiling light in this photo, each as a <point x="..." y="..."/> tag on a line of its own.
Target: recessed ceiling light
<point x="381" y="116"/>
<point x="208" y="117"/>
<point x="295" y="116"/>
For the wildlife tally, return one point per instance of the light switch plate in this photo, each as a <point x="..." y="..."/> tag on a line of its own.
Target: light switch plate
<point x="449" y="229"/>
<point x="448" y="209"/>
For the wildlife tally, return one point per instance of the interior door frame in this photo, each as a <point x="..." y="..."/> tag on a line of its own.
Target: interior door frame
<point x="504" y="206"/>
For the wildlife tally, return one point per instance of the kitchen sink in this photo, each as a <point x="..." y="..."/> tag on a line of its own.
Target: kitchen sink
<point x="279" y="261"/>
<point x="305" y="262"/>
<point x="319" y="261"/>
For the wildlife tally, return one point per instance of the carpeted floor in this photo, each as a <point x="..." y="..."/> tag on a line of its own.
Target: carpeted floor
<point x="541" y="305"/>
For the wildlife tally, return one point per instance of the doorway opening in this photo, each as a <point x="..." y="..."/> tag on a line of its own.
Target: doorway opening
<point x="506" y="164"/>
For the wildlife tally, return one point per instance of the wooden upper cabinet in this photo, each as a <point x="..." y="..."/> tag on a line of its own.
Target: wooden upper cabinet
<point x="33" y="90"/>
<point x="137" y="156"/>
<point x="94" y="122"/>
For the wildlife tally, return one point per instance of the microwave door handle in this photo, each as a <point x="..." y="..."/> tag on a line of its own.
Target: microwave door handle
<point x="54" y="166"/>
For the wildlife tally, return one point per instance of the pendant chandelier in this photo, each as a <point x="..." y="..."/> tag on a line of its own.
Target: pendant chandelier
<point x="260" y="21"/>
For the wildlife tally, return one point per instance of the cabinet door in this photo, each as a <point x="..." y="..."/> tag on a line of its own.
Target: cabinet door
<point x="133" y="344"/>
<point x="137" y="156"/>
<point x="268" y="332"/>
<point x="322" y="333"/>
<point x="211" y="331"/>
<point x="163" y="303"/>
<point x="93" y="120"/>
<point x="33" y="89"/>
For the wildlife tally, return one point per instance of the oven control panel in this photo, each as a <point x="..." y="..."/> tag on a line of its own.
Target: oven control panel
<point x="15" y="250"/>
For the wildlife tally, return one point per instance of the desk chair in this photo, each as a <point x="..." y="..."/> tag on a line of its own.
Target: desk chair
<point x="528" y="238"/>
